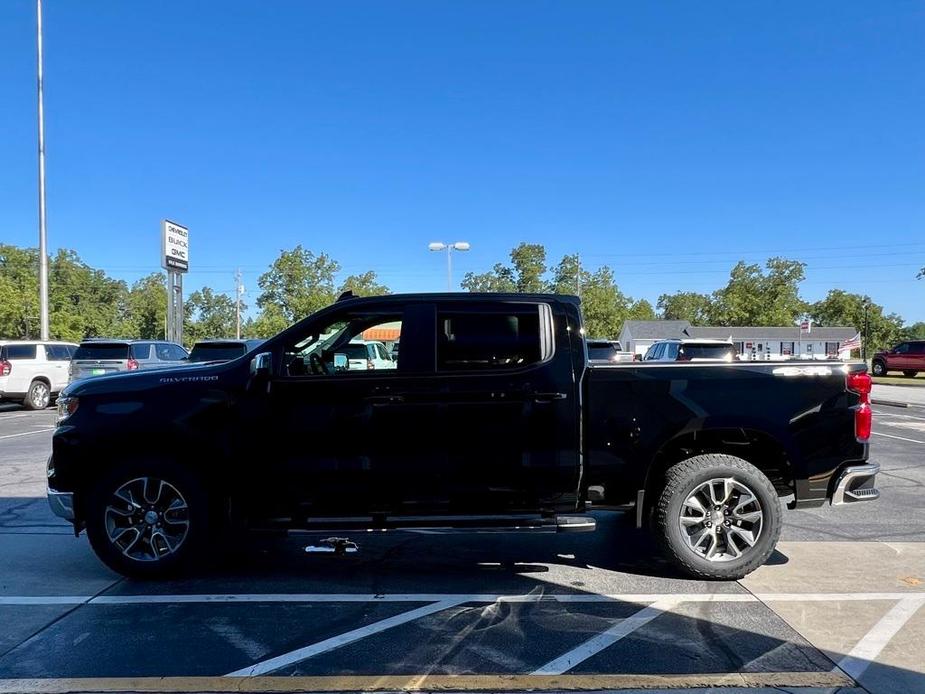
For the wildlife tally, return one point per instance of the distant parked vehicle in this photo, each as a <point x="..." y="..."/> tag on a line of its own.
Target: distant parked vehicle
<point x="33" y="372"/>
<point x="607" y="352"/>
<point x="221" y="350"/>
<point x="908" y="357"/>
<point x="367" y="355"/>
<point x="691" y="350"/>
<point x="98" y="356"/>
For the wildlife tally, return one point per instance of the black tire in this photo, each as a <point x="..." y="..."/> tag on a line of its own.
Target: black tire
<point x="188" y="551"/>
<point x="38" y="397"/>
<point x="910" y="374"/>
<point x="878" y="368"/>
<point x="680" y="481"/>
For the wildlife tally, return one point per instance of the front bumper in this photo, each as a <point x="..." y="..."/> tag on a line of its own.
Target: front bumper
<point x="62" y="504"/>
<point x="856" y="483"/>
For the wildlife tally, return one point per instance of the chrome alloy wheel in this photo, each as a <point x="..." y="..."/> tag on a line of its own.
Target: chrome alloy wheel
<point x="147" y="519"/>
<point x="721" y="519"/>
<point x="40" y="396"/>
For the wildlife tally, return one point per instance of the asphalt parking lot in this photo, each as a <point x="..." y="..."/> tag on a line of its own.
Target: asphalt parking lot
<point x="838" y="608"/>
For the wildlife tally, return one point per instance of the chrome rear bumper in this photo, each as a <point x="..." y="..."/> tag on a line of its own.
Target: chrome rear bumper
<point x="856" y="483"/>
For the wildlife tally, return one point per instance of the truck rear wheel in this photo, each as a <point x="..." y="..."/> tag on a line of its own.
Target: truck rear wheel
<point x="717" y="516"/>
<point x="909" y="373"/>
<point x="147" y="520"/>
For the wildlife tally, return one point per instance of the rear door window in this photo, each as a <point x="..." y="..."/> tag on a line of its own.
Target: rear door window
<point x="167" y="351"/>
<point x="601" y="351"/>
<point x="671" y="350"/>
<point x="14" y="352"/>
<point x="102" y="350"/>
<point x="476" y="340"/>
<point x="57" y="353"/>
<point x="141" y="350"/>
<point x="707" y="351"/>
<point x="216" y="351"/>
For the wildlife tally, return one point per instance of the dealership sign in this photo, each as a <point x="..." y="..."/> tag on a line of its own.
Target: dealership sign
<point x="174" y="246"/>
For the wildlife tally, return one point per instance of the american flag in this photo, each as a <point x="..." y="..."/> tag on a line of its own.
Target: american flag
<point x="853" y="343"/>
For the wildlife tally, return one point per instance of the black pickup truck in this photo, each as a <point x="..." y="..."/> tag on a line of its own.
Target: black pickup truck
<point x="490" y="418"/>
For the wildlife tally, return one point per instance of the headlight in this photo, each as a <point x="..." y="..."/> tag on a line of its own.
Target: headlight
<point x="66" y="407"/>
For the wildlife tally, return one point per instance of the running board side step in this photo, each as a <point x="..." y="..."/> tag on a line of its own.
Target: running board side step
<point x="454" y="524"/>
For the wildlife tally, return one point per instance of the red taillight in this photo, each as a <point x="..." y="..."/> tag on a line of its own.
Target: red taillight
<point x="132" y="365"/>
<point x="5" y="368"/>
<point x="859" y="382"/>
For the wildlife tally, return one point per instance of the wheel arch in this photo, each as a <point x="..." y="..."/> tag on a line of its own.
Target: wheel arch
<point x="759" y="447"/>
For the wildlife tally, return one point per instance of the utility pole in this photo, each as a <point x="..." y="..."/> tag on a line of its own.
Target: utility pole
<point x="578" y="275"/>
<point x="43" y="246"/>
<point x="237" y="303"/>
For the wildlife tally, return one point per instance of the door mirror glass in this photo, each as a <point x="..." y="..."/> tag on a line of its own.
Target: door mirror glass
<point x="262" y="364"/>
<point x="340" y="362"/>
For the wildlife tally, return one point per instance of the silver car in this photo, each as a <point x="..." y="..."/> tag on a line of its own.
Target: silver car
<point x="98" y="357"/>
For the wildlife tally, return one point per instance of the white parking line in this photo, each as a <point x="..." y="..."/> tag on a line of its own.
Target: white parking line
<point x="301" y="654"/>
<point x="26" y="433"/>
<point x="892" y="436"/>
<point x="458" y="598"/>
<point x="868" y="648"/>
<point x="596" y="644"/>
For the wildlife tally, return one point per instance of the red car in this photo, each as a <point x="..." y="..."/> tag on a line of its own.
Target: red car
<point x="908" y="357"/>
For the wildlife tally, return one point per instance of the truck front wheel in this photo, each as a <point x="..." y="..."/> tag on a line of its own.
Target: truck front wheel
<point x="879" y="368"/>
<point x="717" y="516"/>
<point x="147" y="520"/>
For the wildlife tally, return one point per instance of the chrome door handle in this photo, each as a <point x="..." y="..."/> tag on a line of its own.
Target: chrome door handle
<point x="549" y="397"/>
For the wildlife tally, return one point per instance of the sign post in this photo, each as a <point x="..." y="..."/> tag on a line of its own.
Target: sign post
<point x="174" y="259"/>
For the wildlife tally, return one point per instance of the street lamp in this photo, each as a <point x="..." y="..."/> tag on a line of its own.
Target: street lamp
<point x="449" y="248"/>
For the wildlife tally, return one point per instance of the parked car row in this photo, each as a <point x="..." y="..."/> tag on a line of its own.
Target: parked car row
<point x="33" y="372"/>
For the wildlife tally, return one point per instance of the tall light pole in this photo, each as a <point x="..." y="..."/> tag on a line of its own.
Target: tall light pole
<point x="449" y="248"/>
<point x="43" y="249"/>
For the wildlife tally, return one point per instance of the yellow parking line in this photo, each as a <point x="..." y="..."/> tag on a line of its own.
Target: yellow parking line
<point x="394" y="683"/>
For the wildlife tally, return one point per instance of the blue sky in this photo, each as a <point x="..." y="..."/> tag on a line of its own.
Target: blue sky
<point x="665" y="139"/>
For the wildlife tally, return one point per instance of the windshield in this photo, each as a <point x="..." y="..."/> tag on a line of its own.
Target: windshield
<point x="218" y="351"/>
<point x="102" y="350"/>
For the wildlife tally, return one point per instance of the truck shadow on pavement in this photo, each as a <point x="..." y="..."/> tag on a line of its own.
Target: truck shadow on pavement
<point x="479" y="635"/>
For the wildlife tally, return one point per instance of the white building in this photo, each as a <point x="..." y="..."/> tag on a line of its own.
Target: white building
<point x="752" y="342"/>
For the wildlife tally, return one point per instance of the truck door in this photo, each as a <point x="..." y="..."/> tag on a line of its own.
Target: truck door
<point x="509" y="406"/>
<point x="341" y="440"/>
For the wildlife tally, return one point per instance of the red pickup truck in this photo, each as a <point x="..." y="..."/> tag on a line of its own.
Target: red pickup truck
<point x="908" y="357"/>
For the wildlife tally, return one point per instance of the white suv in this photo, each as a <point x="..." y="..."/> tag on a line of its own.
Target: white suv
<point x="367" y="355"/>
<point x="33" y="372"/>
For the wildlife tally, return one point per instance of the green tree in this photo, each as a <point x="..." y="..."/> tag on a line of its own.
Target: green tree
<point x="270" y="322"/>
<point x="844" y="308"/>
<point x="84" y="302"/>
<point x="499" y="279"/>
<point x="297" y="284"/>
<point x="569" y="277"/>
<point x="147" y="307"/>
<point x="755" y="297"/>
<point x="641" y="310"/>
<point x="366" y="284"/>
<point x="208" y="315"/>
<point x="916" y="331"/>
<point x="690" y="306"/>
<point x="524" y="275"/>
<point x="19" y="292"/>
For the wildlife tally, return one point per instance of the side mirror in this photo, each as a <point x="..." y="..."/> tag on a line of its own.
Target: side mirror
<point x="262" y="364"/>
<point x="340" y="362"/>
